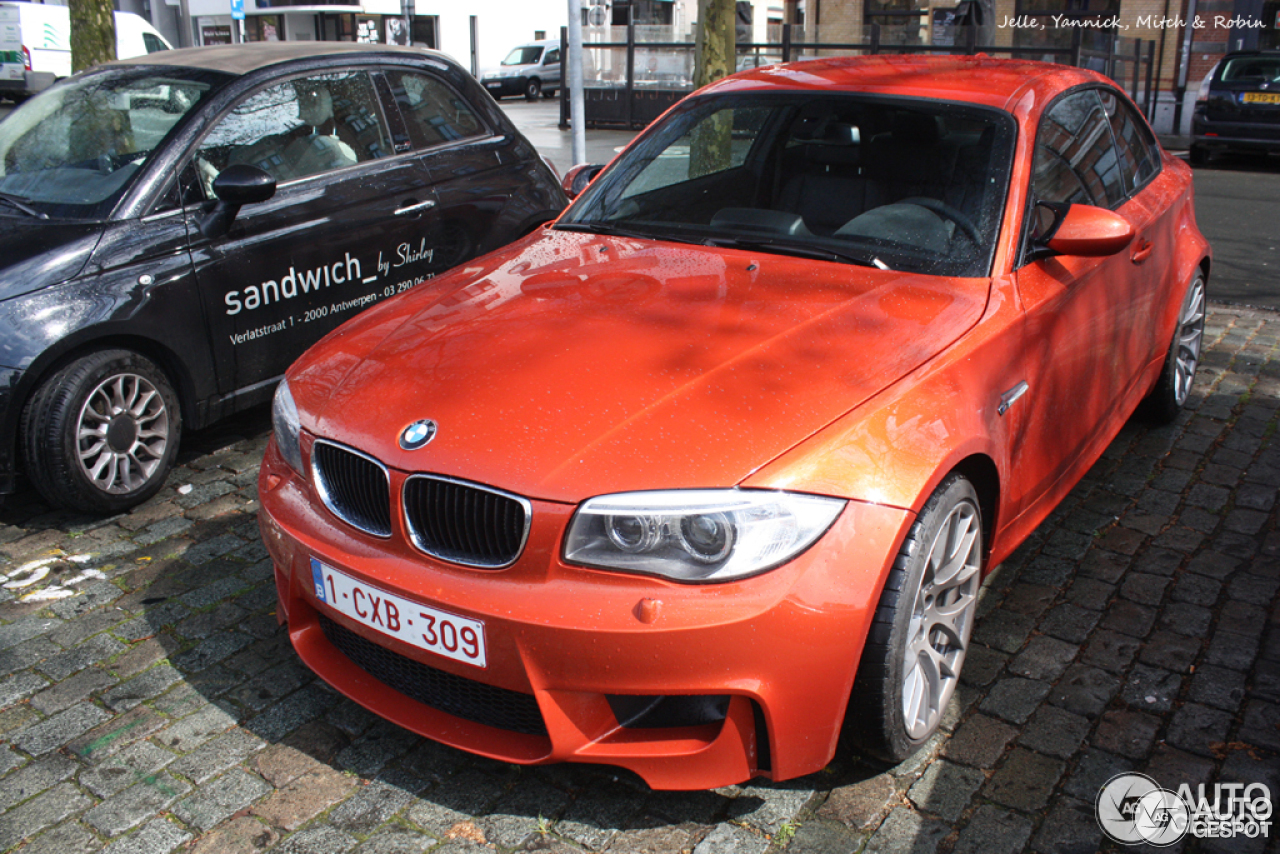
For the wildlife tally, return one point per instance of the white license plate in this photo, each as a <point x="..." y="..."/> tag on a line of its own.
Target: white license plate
<point x="446" y="634"/>
<point x="494" y="85"/>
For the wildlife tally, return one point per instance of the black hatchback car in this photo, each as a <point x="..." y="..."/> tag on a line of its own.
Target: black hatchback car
<point x="176" y="229"/>
<point x="1238" y="107"/>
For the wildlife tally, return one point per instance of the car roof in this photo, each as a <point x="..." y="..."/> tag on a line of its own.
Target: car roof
<point x="246" y="58"/>
<point x="978" y="79"/>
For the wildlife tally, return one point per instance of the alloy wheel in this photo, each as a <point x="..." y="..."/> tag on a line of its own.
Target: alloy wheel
<point x="1190" y="340"/>
<point x="941" y="620"/>
<point x="122" y="433"/>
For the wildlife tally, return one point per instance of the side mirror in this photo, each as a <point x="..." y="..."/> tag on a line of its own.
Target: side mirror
<point x="577" y="178"/>
<point x="1074" y="229"/>
<point x="236" y="185"/>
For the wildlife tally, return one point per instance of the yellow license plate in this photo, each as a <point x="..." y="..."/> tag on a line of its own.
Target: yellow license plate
<point x="1261" y="98"/>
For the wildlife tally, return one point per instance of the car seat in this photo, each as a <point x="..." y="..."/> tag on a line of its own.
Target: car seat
<point x="321" y="150"/>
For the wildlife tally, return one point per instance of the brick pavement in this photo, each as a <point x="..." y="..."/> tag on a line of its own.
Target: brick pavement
<point x="149" y="703"/>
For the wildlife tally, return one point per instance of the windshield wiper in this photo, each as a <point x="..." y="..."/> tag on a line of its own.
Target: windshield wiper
<point x="800" y="250"/>
<point x="599" y="226"/>
<point x="21" y="204"/>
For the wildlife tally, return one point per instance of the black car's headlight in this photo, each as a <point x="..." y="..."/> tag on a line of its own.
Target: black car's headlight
<point x="701" y="535"/>
<point x="285" y="423"/>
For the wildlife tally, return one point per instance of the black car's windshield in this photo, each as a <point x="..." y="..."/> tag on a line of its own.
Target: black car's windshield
<point x="523" y="56"/>
<point x="907" y="184"/>
<point x="71" y="151"/>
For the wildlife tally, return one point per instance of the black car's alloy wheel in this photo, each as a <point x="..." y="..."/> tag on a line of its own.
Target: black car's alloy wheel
<point x="101" y="434"/>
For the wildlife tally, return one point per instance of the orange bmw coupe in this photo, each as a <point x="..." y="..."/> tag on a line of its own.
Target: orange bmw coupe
<point x="716" y="463"/>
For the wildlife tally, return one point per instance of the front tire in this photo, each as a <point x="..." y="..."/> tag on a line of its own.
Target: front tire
<point x="532" y="89"/>
<point x="920" y="633"/>
<point x="102" y="433"/>
<point x="1173" y="388"/>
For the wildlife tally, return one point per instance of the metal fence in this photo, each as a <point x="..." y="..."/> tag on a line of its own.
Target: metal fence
<point x="630" y="81"/>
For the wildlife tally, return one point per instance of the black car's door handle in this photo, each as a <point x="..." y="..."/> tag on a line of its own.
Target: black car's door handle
<point x="415" y="207"/>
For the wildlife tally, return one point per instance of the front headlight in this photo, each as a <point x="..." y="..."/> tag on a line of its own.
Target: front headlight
<point x="285" y="423"/>
<point x="699" y="535"/>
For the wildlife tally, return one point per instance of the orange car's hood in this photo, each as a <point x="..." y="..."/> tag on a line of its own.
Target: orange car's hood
<point x="574" y="365"/>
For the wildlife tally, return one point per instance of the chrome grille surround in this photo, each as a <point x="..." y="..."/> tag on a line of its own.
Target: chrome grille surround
<point x="354" y="486"/>
<point x="484" y="528"/>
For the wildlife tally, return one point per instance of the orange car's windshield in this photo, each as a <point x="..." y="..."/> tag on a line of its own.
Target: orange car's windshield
<point x="901" y="183"/>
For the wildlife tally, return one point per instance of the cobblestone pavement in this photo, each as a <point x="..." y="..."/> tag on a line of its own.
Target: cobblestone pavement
<point x="149" y="702"/>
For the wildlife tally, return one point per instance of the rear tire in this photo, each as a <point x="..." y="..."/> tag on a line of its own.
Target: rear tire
<point x="1198" y="155"/>
<point x="1169" y="396"/>
<point x="920" y="633"/>
<point x="101" y="434"/>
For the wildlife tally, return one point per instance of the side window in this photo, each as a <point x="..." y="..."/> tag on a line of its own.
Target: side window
<point x="151" y="42"/>
<point x="1075" y="160"/>
<point x="1137" y="149"/>
<point x="432" y="111"/>
<point x="302" y="127"/>
<point x="552" y="57"/>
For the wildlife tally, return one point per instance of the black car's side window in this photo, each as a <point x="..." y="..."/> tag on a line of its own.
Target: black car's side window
<point x="1137" y="149"/>
<point x="433" y="112"/>
<point x="1075" y="160"/>
<point x="302" y="127"/>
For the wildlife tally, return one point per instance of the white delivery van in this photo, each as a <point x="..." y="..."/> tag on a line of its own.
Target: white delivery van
<point x="35" y="44"/>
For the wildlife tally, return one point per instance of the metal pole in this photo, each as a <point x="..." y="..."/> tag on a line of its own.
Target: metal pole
<point x="577" y="107"/>
<point x="1151" y="81"/>
<point x="631" y="69"/>
<point x="475" y="47"/>
<point x="1137" y="67"/>
<point x="1184" y="62"/>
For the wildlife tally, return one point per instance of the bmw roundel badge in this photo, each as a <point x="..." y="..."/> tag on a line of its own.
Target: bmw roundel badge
<point x="418" y="434"/>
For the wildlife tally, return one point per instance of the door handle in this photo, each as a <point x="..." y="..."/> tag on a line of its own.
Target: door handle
<point x="1141" y="251"/>
<point x="414" y="208"/>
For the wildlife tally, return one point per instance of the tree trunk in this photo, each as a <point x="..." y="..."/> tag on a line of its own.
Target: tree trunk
<point x="715" y="54"/>
<point x="710" y="147"/>
<point x="93" y="33"/>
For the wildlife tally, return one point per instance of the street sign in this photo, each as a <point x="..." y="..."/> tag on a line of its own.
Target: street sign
<point x="237" y="10"/>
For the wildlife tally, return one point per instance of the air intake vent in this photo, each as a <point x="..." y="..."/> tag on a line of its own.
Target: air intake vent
<point x="354" y="486"/>
<point x="454" y="695"/>
<point x="465" y="523"/>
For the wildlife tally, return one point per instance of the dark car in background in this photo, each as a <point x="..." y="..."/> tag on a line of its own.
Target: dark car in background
<point x="1238" y="108"/>
<point x="176" y="229"/>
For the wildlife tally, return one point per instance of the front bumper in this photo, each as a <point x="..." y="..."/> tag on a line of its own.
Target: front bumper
<point x="9" y="380"/>
<point x="502" y="87"/>
<point x="774" y="655"/>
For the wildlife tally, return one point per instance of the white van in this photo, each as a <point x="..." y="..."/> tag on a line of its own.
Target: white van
<point x="35" y="44"/>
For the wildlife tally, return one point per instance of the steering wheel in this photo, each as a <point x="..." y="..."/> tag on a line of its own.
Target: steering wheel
<point x="942" y="209"/>
<point x="108" y="163"/>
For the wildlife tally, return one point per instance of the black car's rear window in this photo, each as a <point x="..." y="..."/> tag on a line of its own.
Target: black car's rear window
<point x="1251" y="69"/>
